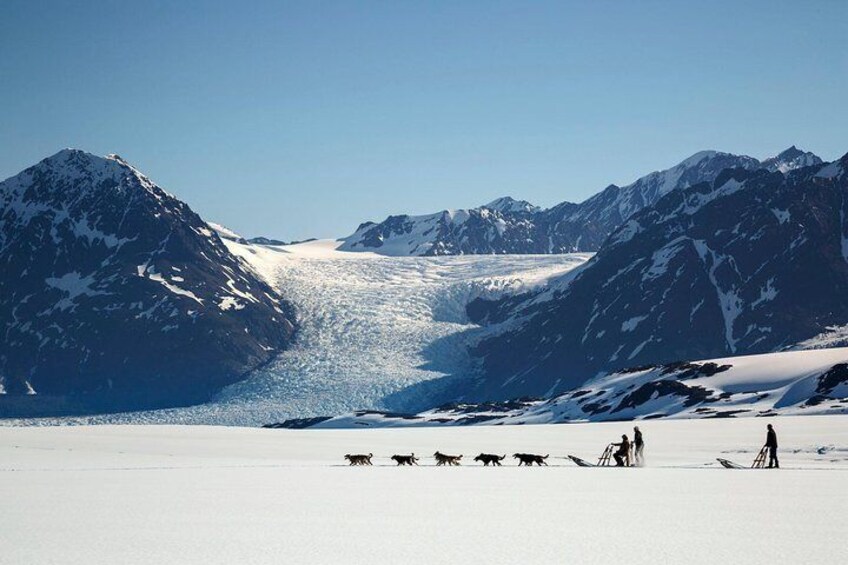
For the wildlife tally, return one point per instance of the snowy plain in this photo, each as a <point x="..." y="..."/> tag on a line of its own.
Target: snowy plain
<point x="195" y="494"/>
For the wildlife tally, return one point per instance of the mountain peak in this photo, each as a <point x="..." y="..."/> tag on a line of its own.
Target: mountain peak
<point x="510" y="204"/>
<point x="78" y="159"/>
<point x="70" y="151"/>
<point x="69" y="155"/>
<point x="84" y="171"/>
<point x="698" y="157"/>
<point x="791" y="159"/>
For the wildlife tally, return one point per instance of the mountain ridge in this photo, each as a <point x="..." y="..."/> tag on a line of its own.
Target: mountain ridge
<point x="506" y="225"/>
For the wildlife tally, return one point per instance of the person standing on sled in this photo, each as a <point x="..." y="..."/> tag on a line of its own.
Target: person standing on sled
<point x="771" y="444"/>
<point x="639" y="445"/>
<point x="622" y="456"/>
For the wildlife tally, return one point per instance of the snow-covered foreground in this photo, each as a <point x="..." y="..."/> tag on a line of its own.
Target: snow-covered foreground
<point x="157" y="494"/>
<point x="371" y="326"/>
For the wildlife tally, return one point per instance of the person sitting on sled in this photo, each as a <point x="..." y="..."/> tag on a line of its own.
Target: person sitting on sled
<point x="622" y="456"/>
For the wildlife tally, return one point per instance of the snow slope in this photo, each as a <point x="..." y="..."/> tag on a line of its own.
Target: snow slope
<point x="157" y="494"/>
<point x="370" y="326"/>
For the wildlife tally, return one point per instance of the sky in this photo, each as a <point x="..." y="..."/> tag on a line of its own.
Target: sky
<point x="304" y="119"/>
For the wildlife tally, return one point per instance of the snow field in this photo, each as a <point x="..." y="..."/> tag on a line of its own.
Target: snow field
<point x="172" y="494"/>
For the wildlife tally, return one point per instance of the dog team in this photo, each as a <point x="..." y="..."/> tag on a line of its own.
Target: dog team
<point x="625" y="453"/>
<point x="622" y="456"/>
<point x="527" y="459"/>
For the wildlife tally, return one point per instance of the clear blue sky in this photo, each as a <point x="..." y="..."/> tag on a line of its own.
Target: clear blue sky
<point x="298" y="119"/>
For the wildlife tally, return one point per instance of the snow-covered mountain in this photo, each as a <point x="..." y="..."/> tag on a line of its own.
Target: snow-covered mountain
<point x="799" y="382"/>
<point x="512" y="226"/>
<point x="753" y="262"/>
<point x="509" y="205"/>
<point x="150" y="306"/>
<point x="503" y="226"/>
<point x="114" y="294"/>
<point x="791" y="159"/>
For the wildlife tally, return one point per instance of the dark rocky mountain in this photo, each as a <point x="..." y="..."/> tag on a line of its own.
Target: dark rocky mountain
<point x="755" y="261"/>
<point x="116" y="295"/>
<point x="511" y="226"/>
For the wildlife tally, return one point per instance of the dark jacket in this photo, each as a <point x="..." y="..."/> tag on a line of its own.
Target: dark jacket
<point x="771" y="439"/>
<point x="623" y="447"/>
<point x="637" y="439"/>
